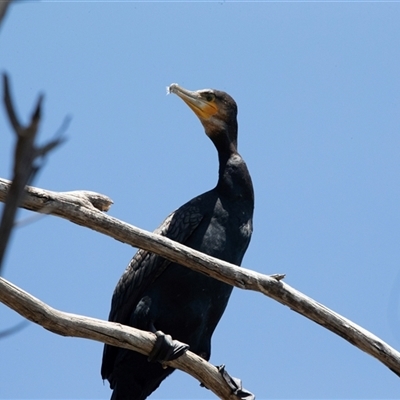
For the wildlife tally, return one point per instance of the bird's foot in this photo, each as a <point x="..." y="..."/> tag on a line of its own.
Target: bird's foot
<point x="166" y="349"/>
<point x="235" y="384"/>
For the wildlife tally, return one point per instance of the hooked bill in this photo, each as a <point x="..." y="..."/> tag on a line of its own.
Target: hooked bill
<point x="171" y="88"/>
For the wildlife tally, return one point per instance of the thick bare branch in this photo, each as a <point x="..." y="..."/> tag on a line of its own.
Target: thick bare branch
<point x="82" y="212"/>
<point x="111" y="333"/>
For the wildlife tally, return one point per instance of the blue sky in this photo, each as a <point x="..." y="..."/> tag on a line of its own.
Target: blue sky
<point x="318" y="90"/>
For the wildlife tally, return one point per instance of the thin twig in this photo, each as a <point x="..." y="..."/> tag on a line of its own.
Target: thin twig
<point x="14" y="329"/>
<point x="3" y="8"/>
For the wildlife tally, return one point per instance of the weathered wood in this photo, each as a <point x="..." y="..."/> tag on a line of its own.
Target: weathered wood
<point x="67" y="206"/>
<point x="67" y="324"/>
<point x="47" y="202"/>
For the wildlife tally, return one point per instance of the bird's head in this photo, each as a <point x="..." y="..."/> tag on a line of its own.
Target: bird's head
<point x="216" y="110"/>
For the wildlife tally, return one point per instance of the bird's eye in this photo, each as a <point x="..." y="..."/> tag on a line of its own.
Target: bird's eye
<point x="209" y="96"/>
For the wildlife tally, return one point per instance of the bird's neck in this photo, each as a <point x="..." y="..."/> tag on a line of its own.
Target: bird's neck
<point x="233" y="178"/>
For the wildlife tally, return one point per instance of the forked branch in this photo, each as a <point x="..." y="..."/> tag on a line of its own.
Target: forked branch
<point x="25" y="158"/>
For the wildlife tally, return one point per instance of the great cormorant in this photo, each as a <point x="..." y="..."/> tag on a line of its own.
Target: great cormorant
<point x="156" y="294"/>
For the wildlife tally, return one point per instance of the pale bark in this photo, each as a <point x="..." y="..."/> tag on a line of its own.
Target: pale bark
<point x="79" y="207"/>
<point x="67" y="324"/>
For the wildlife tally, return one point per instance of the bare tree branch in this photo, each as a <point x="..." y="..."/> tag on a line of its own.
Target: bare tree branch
<point x="66" y="324"/>
<point x="24" y="163"/>
<point x="79" y="208"/>
<point x="3" y="8"/>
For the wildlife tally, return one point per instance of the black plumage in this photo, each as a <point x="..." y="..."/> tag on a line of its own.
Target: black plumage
<point x="156" y="294"/>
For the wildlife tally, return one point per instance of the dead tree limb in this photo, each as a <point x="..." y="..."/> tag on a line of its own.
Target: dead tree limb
<point x="79" y="208"/>
<point x="67" y="324"/>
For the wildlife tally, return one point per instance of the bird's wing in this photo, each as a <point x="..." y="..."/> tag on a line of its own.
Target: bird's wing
<point x="143" y="269"/>
<point x="145" y="266"/>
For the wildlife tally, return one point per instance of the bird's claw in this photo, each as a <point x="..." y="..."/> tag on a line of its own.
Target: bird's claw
<point x="235" y="384"/>
<point x="166" y="349"/>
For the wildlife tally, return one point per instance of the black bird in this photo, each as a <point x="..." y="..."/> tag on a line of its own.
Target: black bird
<point x="156" y="294"/>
